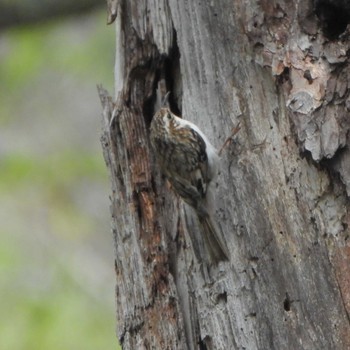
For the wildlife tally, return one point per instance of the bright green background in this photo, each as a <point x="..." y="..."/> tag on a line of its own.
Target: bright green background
<point x="56" y="249"/>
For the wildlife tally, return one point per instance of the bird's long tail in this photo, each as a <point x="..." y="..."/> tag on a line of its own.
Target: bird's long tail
<point x="217" y="249"/>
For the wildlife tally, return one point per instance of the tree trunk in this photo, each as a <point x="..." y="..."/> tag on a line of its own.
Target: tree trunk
<point x="282" y="70"/>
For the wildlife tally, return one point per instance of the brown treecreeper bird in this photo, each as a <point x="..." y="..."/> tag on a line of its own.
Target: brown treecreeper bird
<point x="190" y="163"/>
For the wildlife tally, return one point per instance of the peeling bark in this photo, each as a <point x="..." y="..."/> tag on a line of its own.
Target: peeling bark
<point x="281" y="69"/>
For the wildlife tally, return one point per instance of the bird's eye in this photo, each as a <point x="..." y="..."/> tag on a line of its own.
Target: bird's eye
<point x="169" y="116"/>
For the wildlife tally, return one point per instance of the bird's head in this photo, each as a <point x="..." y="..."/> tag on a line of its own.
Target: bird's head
<point x="164" y="119"/>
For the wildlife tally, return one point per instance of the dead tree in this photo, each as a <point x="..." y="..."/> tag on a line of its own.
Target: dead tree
<point x="281" y="69"/>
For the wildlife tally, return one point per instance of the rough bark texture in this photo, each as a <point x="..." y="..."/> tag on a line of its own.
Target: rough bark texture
<point x="281" y="68"/>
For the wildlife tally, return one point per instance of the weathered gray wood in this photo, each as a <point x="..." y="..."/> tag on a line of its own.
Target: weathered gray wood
<point x="281" y="196"/>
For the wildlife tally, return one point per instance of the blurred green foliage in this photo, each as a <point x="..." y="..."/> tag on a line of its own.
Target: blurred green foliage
<point x="63" y="319"/>
<point x="19" y="170"/>
<point x="55" y="243"/>
<point x="57" y="46"/>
